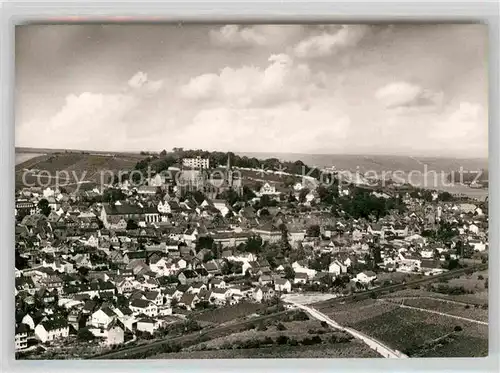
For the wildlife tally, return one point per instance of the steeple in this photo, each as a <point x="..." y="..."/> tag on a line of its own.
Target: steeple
<point x="229" y="171"/>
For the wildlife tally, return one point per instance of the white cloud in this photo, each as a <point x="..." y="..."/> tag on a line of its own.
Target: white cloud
<point x="92" y="120"/>
<point x="140" y="81"/>
<point x="281" y="81"/>
<point x="330" y="41"/>
<point x="289" y="128"/>
<point x="257" y="35"/>
<point x="468" y="123"/>
<point x="407" y="95"/>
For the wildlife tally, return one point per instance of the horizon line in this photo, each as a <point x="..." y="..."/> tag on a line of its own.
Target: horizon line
<point x="253" y="152"/>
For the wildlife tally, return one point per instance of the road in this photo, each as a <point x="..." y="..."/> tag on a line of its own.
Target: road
<point x="374" y="344"/>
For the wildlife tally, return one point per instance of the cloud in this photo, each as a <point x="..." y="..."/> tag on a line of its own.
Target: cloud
<point x="407" y="95"/>
<point x="331" y="40"/>
<point x="140" y="81"/>
<point x="290" y="128"/>
<point x="94" y="120"/>
<point x="468" y="122"/>
<point x="281" y="81"/>
<point x="254" y="36"/>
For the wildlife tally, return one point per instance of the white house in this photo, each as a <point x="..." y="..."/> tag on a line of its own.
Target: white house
<point x="477" y="245"/>
<point x="221" y="205"/>
<point x="298" y="187"/>
<point x="474" y="228"/>
<point x="263" y="294"/>
<point x="51" y="330"/>
<point x="427" y="253"/>
<point x="148" y="325"/>
<point x="337" y="268"/>
<point x="141" y="306"/>
<point x="310" y="197"/>
<point x="282" y="285"/>
<point x="164" y="208"/>
<point x="21" y="337"/>
<point x="219" y="296"/>
<point x="300" y="278"/>
<point x="102" y="318"/>
<point x="115" y="336"/>
<point x="366" y="277"/>
<point x="267" y="189"/>
<point x="298" y="268"/>
<point x="408" y="264"/>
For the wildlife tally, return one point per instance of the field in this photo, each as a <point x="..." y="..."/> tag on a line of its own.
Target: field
<point x="294" y="329"/>
<point x="79" y="166"/>
<point x="229" y="313"/>
<point x="410" y="331"/>
<point x="445" y="306"/>
<point x="473" y="282"/>
<point x="422" y="332"/>
<point x="350" y="313"/>
<point x="284" y="335"/>
<point x="354" y="349"/>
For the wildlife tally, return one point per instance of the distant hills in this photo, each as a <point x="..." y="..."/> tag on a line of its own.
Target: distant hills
<point x="378" y="163"/>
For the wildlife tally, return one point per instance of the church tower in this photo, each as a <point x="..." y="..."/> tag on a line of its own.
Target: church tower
<point x="229" y="171"/>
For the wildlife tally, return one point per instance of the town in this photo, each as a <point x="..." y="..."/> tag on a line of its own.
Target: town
<point x="209" y="239"/>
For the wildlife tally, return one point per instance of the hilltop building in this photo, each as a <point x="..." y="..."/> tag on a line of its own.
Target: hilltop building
<point x="211" y="183"/>
<point x="196" y="163"/>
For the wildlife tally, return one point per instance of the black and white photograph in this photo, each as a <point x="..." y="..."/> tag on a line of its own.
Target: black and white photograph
<point x="243" y="191"/>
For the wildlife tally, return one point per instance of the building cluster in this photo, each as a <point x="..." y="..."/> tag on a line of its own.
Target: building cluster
<point x="142" y="262"/>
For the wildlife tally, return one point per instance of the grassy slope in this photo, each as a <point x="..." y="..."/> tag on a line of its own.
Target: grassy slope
<point x="354" y="349"/>
<point x="83" y="166"/>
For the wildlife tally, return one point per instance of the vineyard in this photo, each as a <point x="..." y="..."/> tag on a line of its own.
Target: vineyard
<point x="474" y="312"/>
<point x="225" y="314"/>
<point x="412" y="331"/>
<point x="353" y="312"/>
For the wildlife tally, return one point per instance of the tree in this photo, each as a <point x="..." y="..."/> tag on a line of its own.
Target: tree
<point x="289" y="273"/>
<point x="313" y="231"/>
<point x="264" y="212"/>
<point x="205" y="242"/>
<point x="285" y="244"/>
<point x="302" y="195"/>
<point x="253" y="244"/>
<point x="280" y="327"/>
<point x="84" y="271"/>
<point x="112" y="195"/>
<point x="248" y="193"/>
<point x="163" y="153"/>
<point x="445" y="197"/>
<point x="132" y="224"/>
<point x="436" y="255"/>
<point x="198" y="196"/>
<point x="289" y="181"/>
<point x="84" y="334"/>
<point x="44" y="207"/>
<point x="282" y="340"/>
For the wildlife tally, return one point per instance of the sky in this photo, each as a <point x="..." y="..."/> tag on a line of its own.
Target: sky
<point x="320" y="89"/>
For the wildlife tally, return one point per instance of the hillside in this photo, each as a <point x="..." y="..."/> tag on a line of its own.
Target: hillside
<point x="80" y="166"/>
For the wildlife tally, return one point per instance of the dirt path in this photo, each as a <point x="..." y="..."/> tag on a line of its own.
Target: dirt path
<point x="440" y="313"/>
<point x="432" y="298"/>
